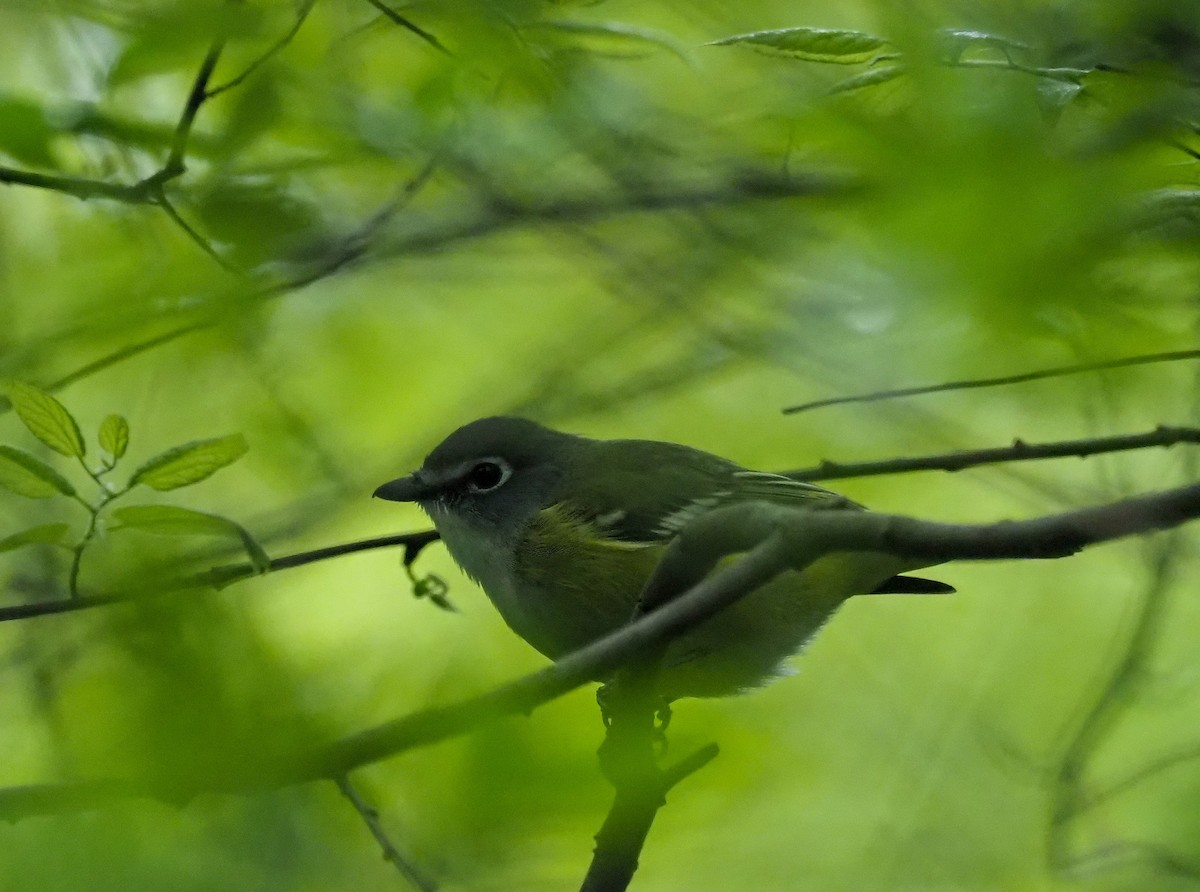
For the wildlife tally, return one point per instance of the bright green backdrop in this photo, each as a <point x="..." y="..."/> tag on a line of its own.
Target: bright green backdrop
<point x="585" y="214"/>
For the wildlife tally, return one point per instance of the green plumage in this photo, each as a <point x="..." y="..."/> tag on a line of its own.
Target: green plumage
<point x="563" y="532"/>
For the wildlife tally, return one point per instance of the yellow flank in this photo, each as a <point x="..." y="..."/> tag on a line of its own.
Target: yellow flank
<point x="570" y="609"/>
<point x="739" y="648"/>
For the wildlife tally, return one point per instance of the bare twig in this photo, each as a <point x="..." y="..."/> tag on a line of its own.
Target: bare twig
<point x="79" y="187"/>
<point x="370" y="815"/>
<point x="197" y="96"/>
<point x="1069" y="798"/>
<point x="225" y="575"/>
<point x="1018" y="451"/>
<point x="160" y="198"/>
<point x="409" y="25"/>
<point x="488" y="221"/>
<point x="281" y="44"/>
<point x="1088" y="801"/>
<point x="879" y="395"/>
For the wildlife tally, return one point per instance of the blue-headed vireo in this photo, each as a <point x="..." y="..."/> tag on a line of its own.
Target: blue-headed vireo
<point x="562" y="532"/>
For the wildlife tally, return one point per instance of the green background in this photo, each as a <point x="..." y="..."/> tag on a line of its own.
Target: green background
<point x="620" y="231"/>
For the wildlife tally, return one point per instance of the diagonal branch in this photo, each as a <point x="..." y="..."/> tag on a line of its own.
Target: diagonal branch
<point x="410" y="25"/>
<point x="774" y="538"/>
<point x="370" y="815"/>
<point x="277" y="47"/>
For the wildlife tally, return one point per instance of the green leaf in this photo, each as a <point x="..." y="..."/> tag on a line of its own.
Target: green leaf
<point x="812" y="44"/>
<point x="868" y="78"/>
<point x="169" y="520"/>
<point x="29" y="476"/>
<point x="114" y="435"/>
<point x="50" y="534"/>
<point x="25" y="133"/>
<point x="47" y="419"/>
<point x="260" y="220"/>
<point x="955" y="43"/>
<point x="189" y="463"/>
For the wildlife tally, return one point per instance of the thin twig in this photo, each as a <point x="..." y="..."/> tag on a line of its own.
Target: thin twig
<point x="1089" y="801"/>
<point x="277" y="47"/>
<point x="196" y="97"/>
<point x="222" y="576"/>
<point x="1107" y="706"/>
<point x="144" y="191"/>
<point x="410" y="26"/>
<point x="1019" y="451"/>
<point x="165" y="203"/>
<point x="370" y="816"/>
<point x="349" y="250"/>
<point x="879" y="395"/>
<point x="80" y="187"/>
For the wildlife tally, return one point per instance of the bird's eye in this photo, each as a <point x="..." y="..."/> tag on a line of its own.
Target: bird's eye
<point x="485" y="476"/>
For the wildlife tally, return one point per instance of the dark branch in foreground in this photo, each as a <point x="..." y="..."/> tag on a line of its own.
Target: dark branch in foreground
<point x="638" y="799"/>
<point x="880" y="395"/>
<point x="775" y="538"/>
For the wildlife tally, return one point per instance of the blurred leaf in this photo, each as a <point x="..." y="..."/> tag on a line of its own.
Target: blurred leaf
<point x="47" y="419"/>
<point x="256" y="108"/>
<point x="812" y="44"/>
<point x="25" y="133"/>
<point x="49" y="534"/>
<point x="189" y="463"/>
<point x="176" y="38"/>
<point x="114" y="435"/>
<point x="29" y="476"/>
<point x="954" y="43"/>
<point x="170" y="520"/>
<point x="259" y="219"/>
<point x="869" y="78"/>
<point x="615" y="39"/>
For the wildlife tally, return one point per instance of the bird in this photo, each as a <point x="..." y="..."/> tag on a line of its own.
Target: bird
<point x="563" y="531"/>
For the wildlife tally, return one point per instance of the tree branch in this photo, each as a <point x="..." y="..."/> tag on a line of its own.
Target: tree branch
<point x="370" y="816"/>
<point x="1019" y="451"/>
<point x="970" y="384"/>
<point x="636" y="803"/>
<point x="221" y="576"/>
<point x="409" y="25"/>
<point x="826" y="470"/>
<point x="776" y="539"/>
<point x="275" y="48"/>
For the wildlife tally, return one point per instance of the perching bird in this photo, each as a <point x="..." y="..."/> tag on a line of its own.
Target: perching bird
<point x="563" y="531"/>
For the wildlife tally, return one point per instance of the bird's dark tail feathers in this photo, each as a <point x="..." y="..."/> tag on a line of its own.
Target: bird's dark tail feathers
<point x="913" y="585"/>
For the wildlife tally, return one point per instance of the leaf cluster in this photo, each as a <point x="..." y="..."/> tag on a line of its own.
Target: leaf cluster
<point x="24" y="474"/>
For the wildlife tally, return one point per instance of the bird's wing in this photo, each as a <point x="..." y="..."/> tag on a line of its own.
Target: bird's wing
<point x="656" y="506"/>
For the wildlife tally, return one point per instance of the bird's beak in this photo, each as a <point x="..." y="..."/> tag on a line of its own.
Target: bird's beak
<point x="413" y="488"/>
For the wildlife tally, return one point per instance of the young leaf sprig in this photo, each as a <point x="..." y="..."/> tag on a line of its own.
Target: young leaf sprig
<point x="50" y="422"/>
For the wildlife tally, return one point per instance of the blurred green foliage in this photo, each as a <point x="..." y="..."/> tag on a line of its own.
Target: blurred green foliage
<point x="623" y="219"/>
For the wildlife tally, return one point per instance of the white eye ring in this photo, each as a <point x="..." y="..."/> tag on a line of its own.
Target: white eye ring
<point x="487" y="474"/>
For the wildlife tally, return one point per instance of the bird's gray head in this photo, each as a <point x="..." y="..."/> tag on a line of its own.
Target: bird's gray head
<point x="494" y="472"/>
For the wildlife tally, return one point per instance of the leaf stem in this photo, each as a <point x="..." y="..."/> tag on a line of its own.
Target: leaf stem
<point x="105" y="497"/>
